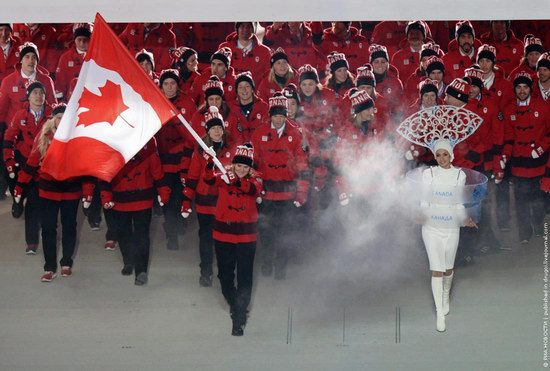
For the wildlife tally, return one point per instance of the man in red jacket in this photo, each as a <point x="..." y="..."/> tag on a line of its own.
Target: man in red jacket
<point x="248" y="52"/>
<point x="296" y="39"/>
<point x="71" y="61"/>
<point x="408" y="58"/>
<point x="542" y="88"/>
<point x="526" y="144"/>
<point x="283" y="163"/>
<point x="461" y="52"/>
<point x="155" y="37"/>
<point x="9" y="46"/>
<point x="342" y="38"/>
<point x="509" y="48"/>
<point x="220" y="66"/>
<point x="129" y="201"/>
<point x="13" y="88"/>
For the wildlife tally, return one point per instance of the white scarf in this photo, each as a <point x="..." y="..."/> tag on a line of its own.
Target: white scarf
<point x="280" y="130"/>
<point x="31" y="77"/>
<point x="488" y="82"/>
<point x="544" y="92"/>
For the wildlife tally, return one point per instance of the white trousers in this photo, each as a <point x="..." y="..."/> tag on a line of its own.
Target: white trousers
<point x="441" y="246"/>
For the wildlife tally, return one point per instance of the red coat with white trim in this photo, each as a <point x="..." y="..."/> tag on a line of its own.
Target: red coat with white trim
<point x="65" y="190"/>
<point x="133" y="188"/>
<point x="391" y="88"/>
<point x="268" y="88"/>
<point x="455" y="63"/>
<point x="477" y="149"/>
<point x="205" y="195"/>
<point x="389" y="34"/>
<point x="7" y="64"/>
<point x="158" y="41"/>
<point x="228" y="82"/>
<point x="174" y="143"/>
<point x="233" y="134"/>
<point x="282" y="162"/>
<point x="13" y="92"/>
<point x="258" y="115"/>
<point x="406" y="61"/>
<point x="524" y="67"/>
<point x="527" y="128"/>
<point x="68" y="68"/>
<point x="501" y="92"/>
<point x="45" y="38"/>
<point x="20" y="135"/>
<point x="355" y="47"/>
<point x="236" y="218"/>
<point x="509" y="51"/>
<point x="185" y="85"/>
<point x="300" y="50"/>
<point x="256" y="60"/>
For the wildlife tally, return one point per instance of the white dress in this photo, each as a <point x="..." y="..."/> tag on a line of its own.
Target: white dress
<point x="442" y="243"/>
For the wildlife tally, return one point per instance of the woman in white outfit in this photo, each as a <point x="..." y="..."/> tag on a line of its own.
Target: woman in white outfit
<point x="442" y="243"/>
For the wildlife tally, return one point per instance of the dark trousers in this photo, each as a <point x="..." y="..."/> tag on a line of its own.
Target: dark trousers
<point x="241" y="256"/>
<point x="172" y="217"/>
<point x="132" y="231"/>
<point x="110" y="235"/>
<point x="94" y="211"/>
<point x="529" y="206"/>
<point x="485" y="224"/>
<point x="276" y="226"/>
<point x="206" y="243"/>
<point x="32" y="214"/>
<point x="502" y="195"/>
<point x="49" y="210"/>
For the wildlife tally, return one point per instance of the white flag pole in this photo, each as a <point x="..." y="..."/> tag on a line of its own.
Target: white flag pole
<point x="207" y="149"/>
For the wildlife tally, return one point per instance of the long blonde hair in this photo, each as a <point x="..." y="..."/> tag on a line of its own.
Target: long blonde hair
<point x="45" y="136"/>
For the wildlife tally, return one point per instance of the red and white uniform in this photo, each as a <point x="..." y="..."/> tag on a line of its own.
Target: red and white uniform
<point x="258" y="115"/>
<point x="300" y="49"/>
<point x="13" y="92"/>
<point x="21" y="133"/>
<point x="9" y="60"/>
<point x="233" y="134"/>
<point x="282" y="163"/>
<point x="355" y="47"/>
<point x="527" y="128"/>
<point x="133" y="188"/>
<point x="45" y="37"/>
<point x="256" y="60"/>
<point x="509" y="51"/>
<point x="455" y="62"/>
<point x="204" y="194"/>
<point x="157" y="41"/>
<point x="68" y="69"/>
<point x="228" y="82"/>
<point x="236" y="218"/>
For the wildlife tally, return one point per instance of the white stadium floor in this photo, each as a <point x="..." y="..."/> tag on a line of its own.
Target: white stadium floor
<point x="98" y="320"/>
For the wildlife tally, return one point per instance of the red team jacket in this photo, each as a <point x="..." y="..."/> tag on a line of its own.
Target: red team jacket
<point x="133" y="188"/>
<point x="66" y="190"/>
<point x="68" y="68"/>
<point x="282" y="162"/>
<point x="158" y="41"/>
<point x="205" y="194"/>
<point x="236" y="219"/>
<point x="258" y="115"/>
<point x="527" y="128"/>
<point x="21" y="133"/>
<point x="256" y="60"/>
<point x="13" y="92"/>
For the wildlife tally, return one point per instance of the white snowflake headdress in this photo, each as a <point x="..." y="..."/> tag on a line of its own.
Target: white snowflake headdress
<point x="430" y="125"/>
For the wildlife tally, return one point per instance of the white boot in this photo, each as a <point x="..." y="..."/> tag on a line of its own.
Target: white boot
<point x="447" y="282"/>
<point x="437" y="291"/>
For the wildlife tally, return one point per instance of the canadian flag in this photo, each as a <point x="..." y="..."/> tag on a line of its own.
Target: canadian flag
<point x="113" y="112"/>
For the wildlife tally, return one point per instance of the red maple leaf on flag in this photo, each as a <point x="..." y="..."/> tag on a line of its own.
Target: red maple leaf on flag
<point x="102" y="108"/>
